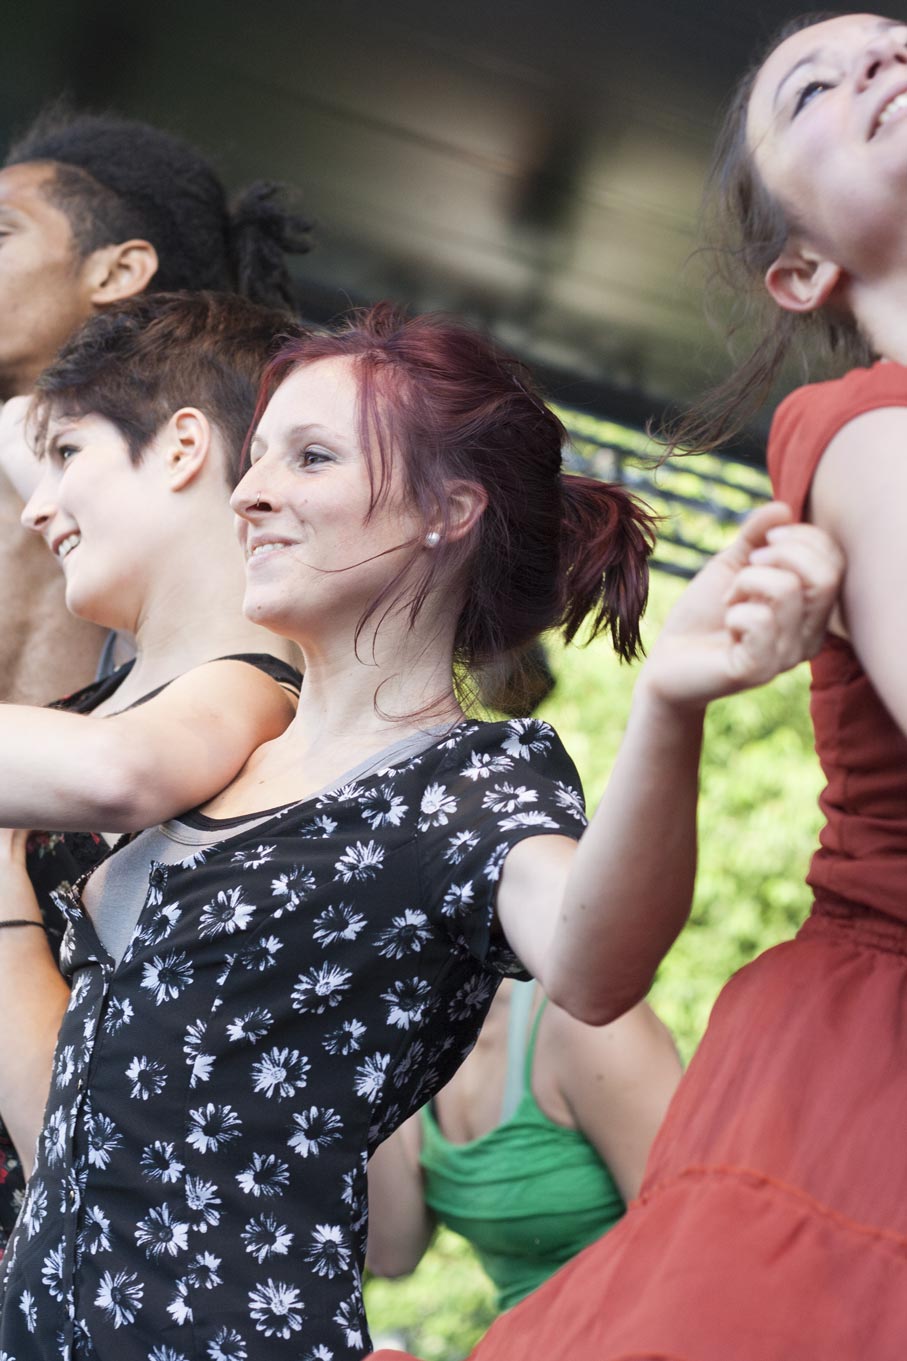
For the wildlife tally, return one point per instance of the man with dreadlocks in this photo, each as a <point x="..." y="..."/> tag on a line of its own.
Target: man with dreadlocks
<point x="94" y="210"/>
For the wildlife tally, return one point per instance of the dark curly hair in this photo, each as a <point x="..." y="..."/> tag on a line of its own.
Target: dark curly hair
<point x="115" y="179"/>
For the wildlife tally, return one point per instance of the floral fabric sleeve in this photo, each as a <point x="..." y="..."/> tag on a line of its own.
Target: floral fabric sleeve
<point x="497" y="784"/>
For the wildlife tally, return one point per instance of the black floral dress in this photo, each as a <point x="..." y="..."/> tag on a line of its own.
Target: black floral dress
<point x="288" y="997"/>
<point x="57" y="860"/>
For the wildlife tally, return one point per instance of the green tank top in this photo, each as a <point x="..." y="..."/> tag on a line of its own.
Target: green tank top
<point x="528" y="1196"/>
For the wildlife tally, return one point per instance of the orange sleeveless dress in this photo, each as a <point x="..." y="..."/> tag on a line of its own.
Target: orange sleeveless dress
<point x="772" y="1221"/>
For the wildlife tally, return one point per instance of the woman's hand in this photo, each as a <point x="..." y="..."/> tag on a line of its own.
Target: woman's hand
<point x="758" y="608"/>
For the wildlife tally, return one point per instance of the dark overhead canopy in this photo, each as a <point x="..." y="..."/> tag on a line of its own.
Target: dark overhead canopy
<point x="536" y="164"/>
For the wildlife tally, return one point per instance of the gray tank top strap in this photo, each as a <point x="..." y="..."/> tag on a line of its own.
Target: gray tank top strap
<point x="517" y="1040"/>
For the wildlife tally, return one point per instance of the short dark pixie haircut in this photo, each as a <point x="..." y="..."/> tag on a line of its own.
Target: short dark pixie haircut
<point x="116" y="179"/>
<point x="138" y="363"/>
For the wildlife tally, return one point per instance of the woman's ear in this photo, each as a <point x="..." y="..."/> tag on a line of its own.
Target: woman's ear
<point x="115" y="273"/>
<point x="801" y="280"/>
<point x="186" y="444"/>
<point x="465" y="502"/>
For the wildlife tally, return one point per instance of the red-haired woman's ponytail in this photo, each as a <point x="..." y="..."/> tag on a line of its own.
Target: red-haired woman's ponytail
<point x="607" y="536"/>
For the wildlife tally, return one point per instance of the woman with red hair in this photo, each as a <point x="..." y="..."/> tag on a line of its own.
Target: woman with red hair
<point x="311" y="953"/>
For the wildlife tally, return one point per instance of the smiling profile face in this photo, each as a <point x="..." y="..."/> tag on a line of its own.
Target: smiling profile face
<point x="95" y="509"/>
<point x="317" y="552"/>
<point x="827" y="127"/>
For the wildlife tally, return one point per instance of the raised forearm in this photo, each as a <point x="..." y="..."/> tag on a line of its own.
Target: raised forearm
<point x="631" y="880"/>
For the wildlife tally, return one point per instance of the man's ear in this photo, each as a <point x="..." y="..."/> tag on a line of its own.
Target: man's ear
<point x="185" y="442"/>
<point x="115" y="273"/>
<point x="802" y="280"/>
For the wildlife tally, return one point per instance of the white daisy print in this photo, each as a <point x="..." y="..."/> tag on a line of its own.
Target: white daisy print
<point x="527" y="737"/>
<point x="507" y="798"/>
<point x="161" y="1234"/>
<point x="254" y="859"/>
<point x="163" y="1353"/>
<point x="56" y="1136"/>
<point x="251" y="1027"/>
<point x="471" y="997"/>
<point x="532" y="818"/>
<point x="346" y="1038"/>
<point x="350" y="1320"/>
<point x="571" y="801"/>
<point x="337" y="923"/>
<point x="260" y="954"/>
<point x="458" y="898"/>
<point x="481" y="765"/>
<point x="383" y="807"/>
<point x="36" y="1206"/>
<point x="370" y="1075"/>
<point x="167" y="976"/>
<point x="460" y="845"/>
<point x="160" y="924"/>
<point x="179" y="1308"/>
<point x="160" y="1163"/>
<point x="406" y="1002"/>
<point x="281" y="1073"/>
<point x="264" y="1237"/>
<point x="320" y="988"/>
<point x="315" y="1129"/>
<point x="359" y="862"/>
<point x="227" y="1345"/>
<point x="29" y="1309"/>
<point x="405" y="935"/>
<point x="202" y="1202"/>
<point x="329" y="1252"/>
<point x="277" y="1309"/>
<point x="120" y="1297"/>
<point x="119" y="1013"/>
<point x="212" y="1126"/>
<point x="65" y="1068"/>
<point x="204" y="1271"/>
<point x="229" y="912"/>
<point x="265" y="1176"/>
<point x="103" y="1138"/>
<point x="94" y="1236"/>
<point x="148" y="1077"/>
<point x="293" y="887"/>
<point x="437" y="807"/>
<point x="52" y="1273"/>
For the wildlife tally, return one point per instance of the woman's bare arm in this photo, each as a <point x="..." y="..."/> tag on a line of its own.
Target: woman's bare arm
<point x="593" y="920"/>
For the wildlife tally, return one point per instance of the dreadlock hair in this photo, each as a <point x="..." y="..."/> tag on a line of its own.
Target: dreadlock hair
<point x="138" y="362"/>
<point x="115" y="179"/>
<point x="747" y="231"/>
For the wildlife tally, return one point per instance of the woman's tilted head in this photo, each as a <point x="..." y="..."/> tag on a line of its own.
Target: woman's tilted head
<point x="461" y="463"/>
<point x="805" y="205"/>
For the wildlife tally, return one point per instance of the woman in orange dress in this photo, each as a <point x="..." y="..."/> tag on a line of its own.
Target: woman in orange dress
<point x="772" y="1221"/>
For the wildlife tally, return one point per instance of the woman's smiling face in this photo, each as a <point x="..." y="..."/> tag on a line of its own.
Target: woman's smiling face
<point x="827" y="126"/>
<point x="317" y="551"/>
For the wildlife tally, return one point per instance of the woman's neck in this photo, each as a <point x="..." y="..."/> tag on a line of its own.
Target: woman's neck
<point x="880" y="309"/>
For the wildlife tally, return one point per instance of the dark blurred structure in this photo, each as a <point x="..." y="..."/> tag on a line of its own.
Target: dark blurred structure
<point x="536" y="166"/>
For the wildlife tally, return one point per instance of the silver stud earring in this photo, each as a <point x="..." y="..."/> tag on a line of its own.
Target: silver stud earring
<point x="432" y="539"/>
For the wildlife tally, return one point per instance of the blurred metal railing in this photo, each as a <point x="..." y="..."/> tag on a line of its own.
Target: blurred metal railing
<point x="700" y="498"/>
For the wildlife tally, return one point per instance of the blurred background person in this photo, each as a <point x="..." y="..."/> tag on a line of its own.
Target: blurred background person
<point x="533" y="1149"/>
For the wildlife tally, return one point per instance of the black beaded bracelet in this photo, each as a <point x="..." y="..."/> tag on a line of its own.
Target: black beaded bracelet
<point x="22" y="921"/>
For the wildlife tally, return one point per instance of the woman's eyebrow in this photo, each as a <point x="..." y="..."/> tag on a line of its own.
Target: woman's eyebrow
<point x="818" y="52"/>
